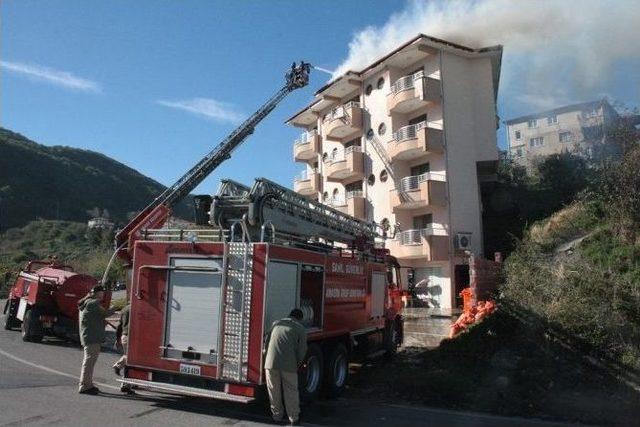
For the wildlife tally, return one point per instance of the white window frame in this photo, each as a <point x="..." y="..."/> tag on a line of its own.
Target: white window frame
<point x="569" y="139"/>
<point x="532" y="124"/>
<point x="518" y="135"/>
<point x="552" y="120"/>
<point x="535" y="142"/>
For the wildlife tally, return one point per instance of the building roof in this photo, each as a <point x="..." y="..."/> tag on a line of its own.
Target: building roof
<point x="494" y="51"/>
<point x="560" y="110"/>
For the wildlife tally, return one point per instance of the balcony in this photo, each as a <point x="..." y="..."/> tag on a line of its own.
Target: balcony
<point x="352" y="204"/>
<point x="307" y="183"/>
<point x="431" y="243"/>
<point x="411" y="92"/>
<point x="307" y="147"/>
<point x="347" y="164"/>
<point x="342" y="122"/>
<point x="428" y="189"/>
<point x="411" y="141"/>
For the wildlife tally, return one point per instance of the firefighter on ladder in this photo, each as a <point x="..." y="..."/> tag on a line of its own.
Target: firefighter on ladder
<point x="286" y="350"/>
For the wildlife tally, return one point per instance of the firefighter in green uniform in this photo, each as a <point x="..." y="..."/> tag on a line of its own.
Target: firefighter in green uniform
<point x="92" y="320"/>
<point x="286" y="350"/>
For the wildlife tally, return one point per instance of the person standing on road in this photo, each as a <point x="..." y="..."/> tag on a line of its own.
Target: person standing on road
<point x="286" y="349"/>
<point x="122" y="337"/>
<point x="92" y="320"/>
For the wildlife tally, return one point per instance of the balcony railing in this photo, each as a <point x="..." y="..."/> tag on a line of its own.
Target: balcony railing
<point x="340" y="155"/>
<point x="406" y="82"/>
<point x="340" y="112"/>
<point x="305" y="175"/>
<point x="354" y="194"/>
<point x="412" y="183"/>
<point x="416" y="236"/>
<point x="306" y="137"/>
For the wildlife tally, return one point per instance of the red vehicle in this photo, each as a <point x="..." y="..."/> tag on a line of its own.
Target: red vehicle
<point x="202" y="301"/>
<point x="44" y="300"/>
<point x="201" y="312"/>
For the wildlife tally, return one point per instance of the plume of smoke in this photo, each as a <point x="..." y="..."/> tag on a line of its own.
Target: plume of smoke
<point x="567" y="44"/>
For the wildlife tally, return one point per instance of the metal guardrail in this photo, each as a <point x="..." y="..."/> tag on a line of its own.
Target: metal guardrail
<point x="411" y="183"/>
<point x="406" y="82"/>
<point x="340" y="111"/>
<point x="411" y="131"/>
<point x="189" y="235"/>
<point x="305" y="175"/>
<point x="341" y="155"/>
<point x="415" y="237"/>
<point x="305" y="138"/>
<point x="354" y="194"/>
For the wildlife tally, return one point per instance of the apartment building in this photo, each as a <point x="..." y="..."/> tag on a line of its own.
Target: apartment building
<point x="407" y="141"/>
<point x="579" y="128"/>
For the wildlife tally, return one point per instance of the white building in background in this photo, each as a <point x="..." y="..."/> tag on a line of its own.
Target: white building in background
<point x="579" y="128"/>
<point x="408" y="140"/>
<point x="100" y="223"/>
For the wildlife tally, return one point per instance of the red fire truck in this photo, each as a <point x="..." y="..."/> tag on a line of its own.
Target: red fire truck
<point x="44" y="300"/>
<point x="203" y="300"/>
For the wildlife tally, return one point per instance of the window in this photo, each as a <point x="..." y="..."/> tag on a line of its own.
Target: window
<point x="517" y="152"/>
<point x="552" y="120"/>
<point x="533" y="123"/>
<point x="420" y="169"/>
<point x="536" y="142"/>
<point x="371" y="180"/>
<point x="422" y="221"/>
<point x="419" y="119"/>
<point x="518" y="135"/>
<point x="325" y="156"/>
<point x="384" y="175"/>
<point x="565" y="136"/>
<point x="325" y="196"/>
<point x="335" y="193"/>
<point x="368" y="90"/>
<point x="334" y="153"/>
<point x="351" y="143"/>
<point x="382" y="129"/>
<point x="354" y="186"/>
<point x="380" y="82"/>
<point x="370" y="134"/>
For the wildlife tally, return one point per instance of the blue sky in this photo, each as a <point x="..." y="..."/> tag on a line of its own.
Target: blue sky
<point x="108" y="76"/>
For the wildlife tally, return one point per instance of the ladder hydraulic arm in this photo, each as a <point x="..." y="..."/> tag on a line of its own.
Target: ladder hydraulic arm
<point x="157" y="212"/>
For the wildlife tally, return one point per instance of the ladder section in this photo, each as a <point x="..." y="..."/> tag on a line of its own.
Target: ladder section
<point x="237" y="311"/>
<point x="270" y="204"/>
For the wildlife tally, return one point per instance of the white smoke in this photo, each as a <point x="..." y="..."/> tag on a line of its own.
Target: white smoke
<point x="554" y="50"/>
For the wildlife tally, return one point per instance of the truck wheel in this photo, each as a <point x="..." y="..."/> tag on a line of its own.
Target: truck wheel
<point x="10" y="314"/>
<point x="391" y="339"/>
<point x="337" y="371"/>
<point x="311" y="376"/>
<point x="31" y="327"/>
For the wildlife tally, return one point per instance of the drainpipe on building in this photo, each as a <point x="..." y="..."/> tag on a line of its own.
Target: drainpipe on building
<point x="452" y="278"/>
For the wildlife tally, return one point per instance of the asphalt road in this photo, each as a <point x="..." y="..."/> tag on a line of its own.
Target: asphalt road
<point x="38" y="386"/>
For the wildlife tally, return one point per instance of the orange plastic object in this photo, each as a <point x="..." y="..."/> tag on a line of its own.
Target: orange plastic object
<point x="471" y="313"/>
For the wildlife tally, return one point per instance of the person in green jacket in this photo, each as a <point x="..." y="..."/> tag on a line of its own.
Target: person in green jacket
<point x="286" y="350"/>
<point x="92" y="320"/>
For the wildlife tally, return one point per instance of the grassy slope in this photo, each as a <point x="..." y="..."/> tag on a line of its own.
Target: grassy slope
<point x="563" y="345"/>
<point x="38" y="181"/>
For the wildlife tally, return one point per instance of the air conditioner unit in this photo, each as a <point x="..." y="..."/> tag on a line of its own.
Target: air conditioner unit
<point x="462" y="241"/>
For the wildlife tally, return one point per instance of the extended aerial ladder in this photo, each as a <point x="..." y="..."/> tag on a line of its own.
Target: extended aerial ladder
<point x="158" y="211"/>
<point x="269" y="210"/>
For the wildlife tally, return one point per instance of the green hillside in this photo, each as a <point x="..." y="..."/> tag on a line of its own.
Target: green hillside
<point x="63" y="183"/>
<point x="87" y="250"/>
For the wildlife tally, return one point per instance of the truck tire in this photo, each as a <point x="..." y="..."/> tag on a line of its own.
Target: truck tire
<point x="310" y="378"/>
<point x="336" y="371"/>
<point x="391" y="339"/>
<point x="10" y="309"/>
<point x="31" y="327"/>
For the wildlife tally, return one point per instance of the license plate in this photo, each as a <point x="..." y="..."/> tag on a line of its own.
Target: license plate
<point x="189" y="369"/>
